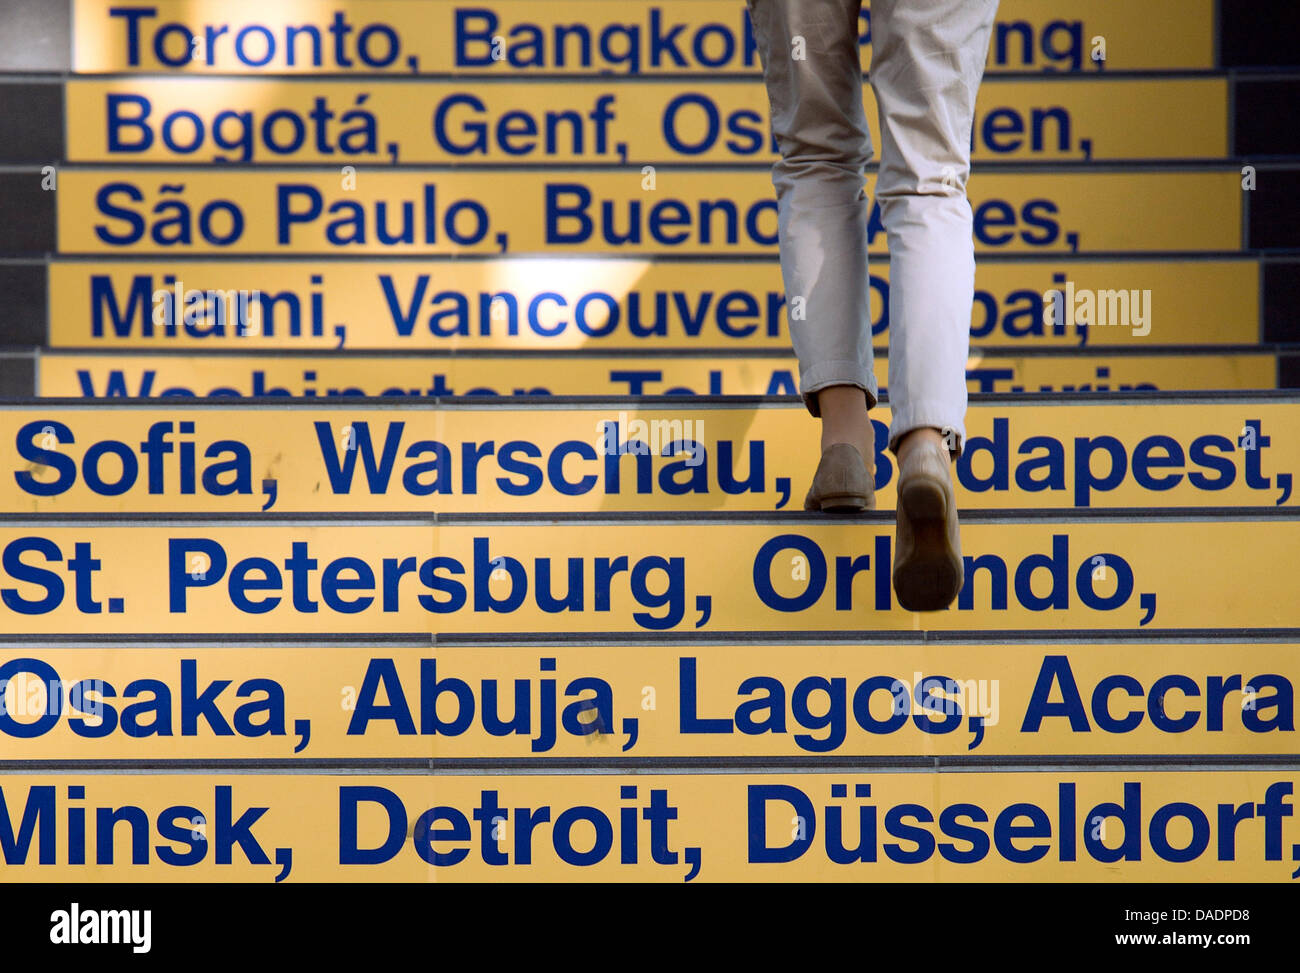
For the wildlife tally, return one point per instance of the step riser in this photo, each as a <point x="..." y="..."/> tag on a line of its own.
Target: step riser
<point x="644" y="702"/>
<point x="570" y="212"/>
<point x="596" y="303"/>
<point x="679" y="576"/>
<point x="673" y="37"/>
<point x="71" y="376"/>
<point x="641" y="122"/>
<point x="536" y="459"/>
<point x="1184" y="827"/>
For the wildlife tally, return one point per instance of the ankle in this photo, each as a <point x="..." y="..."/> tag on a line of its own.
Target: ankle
<point x="922" y="439"/>
<point x="844" y="418"/>
<point x="864" y="449"/>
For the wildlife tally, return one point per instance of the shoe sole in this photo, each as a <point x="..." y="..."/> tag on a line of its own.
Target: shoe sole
<point x="932" y="577"/>
<point x="844" y="504"/>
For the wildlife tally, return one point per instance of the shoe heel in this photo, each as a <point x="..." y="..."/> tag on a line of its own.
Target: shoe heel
<point x="928" y="584"/>
<point x="848" y="503"/>
<point x="924" y="500"/>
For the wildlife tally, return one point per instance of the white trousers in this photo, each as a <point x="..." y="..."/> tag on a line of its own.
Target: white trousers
<point x="927" y="63"/>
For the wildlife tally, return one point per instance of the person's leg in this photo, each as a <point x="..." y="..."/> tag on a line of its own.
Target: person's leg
<point x="814" y="82"/>
<point x="843" y="410"/>
<point x="927" y="62"/>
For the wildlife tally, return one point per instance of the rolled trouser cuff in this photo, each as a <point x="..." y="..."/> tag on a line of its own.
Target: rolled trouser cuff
<point x="929" y="415"/>
<point x="827" y="374"/>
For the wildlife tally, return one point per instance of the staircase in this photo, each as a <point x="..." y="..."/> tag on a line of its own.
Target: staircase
<point x="459" y="537"/>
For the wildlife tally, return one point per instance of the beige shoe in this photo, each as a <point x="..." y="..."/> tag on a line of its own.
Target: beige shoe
<point x="927" y="549"/>
<point x="842" y="482"/>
